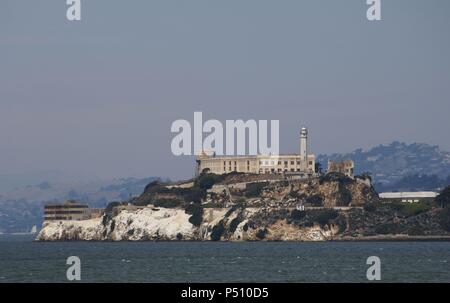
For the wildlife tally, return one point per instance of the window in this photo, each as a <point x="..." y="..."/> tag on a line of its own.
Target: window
<point x="292" y="162"/>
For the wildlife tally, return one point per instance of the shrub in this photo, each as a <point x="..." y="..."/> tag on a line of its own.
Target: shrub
<point x="241" y="201"/>
<point x="335" y="177"/>
<point x="412" y="209"/>
<point x="234" y="224"/>
<point x="387" y="228"/>
<point x="155" y="187"/>
<point x="196" y="212"/>
<point x="297" y="214"/>
<point x="109" y="208"/>
<point x="444" y="197"/>
<point x="444" y="219"/>
<point x="409" y="209"/>
<point x="245" y="227"/>
<point x="168" y="203"/>
<point x="315" y="200"/>
<point x="206" y="181"/>
<point x="416" y="230"/>
<point x="261" y="234"/>
<point x="370" y="207"/>
<point x="323" y="216"/>
<point x="195" y="194"/>
<point x="346" y="195"/>
<point x="217" y="231"/>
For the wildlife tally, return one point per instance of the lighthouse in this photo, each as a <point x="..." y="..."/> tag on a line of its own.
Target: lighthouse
<point x="303" y="147"/>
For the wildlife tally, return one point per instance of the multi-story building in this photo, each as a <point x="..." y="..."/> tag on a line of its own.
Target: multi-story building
<point x="300" y="164"/>
<point x="408" y="197"/>
<point x="345" y="167"/>
<point x="69" y="210"/>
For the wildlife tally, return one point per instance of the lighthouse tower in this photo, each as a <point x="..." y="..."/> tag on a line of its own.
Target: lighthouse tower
<point x="303" y="148"/>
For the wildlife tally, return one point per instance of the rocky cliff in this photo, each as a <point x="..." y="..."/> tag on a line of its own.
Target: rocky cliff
<point x="241" y="207"/>
<point x="173" y="224"/>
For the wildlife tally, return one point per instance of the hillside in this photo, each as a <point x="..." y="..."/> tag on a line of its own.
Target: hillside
<point x="22" y="208"/>
<point x="389" y="164"/>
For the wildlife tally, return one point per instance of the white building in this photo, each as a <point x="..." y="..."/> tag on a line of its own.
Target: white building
<point x="408" y="197"/>
<point x="300" y="164"/>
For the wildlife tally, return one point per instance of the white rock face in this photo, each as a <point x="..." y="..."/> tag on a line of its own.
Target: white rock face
<point x="89" y="230"/>
<point x="142" y="224"/>
<point x="153" y="224"/>
<point x="173" y="224"/>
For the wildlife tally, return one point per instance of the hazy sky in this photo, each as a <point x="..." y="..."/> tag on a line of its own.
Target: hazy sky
<point x="97" y="97"/>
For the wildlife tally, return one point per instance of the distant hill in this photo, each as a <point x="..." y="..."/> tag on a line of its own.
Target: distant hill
<point x="411" y="166"/>
<point x="22" y="208"/>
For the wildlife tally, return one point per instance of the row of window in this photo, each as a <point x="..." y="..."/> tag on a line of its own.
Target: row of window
<point x="64" y="212"/>
<point x="62" y="206"/>
<point x="279" y="170"/>
<point x="266" y="163"/>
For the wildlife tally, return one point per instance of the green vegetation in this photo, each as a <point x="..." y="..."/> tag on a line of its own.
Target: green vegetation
<point x="335" y="177"/>
<point x="346" y="195"/>
<point x="178" y="197"/>
<point x="298" y="214"/>
<point x="322" y="216"/>
<point x="217" y="231"/>
<point x="196" y="212"/>
<point x="388" y="228"/>
<point x="444" y="198"/>
<point x="234" y="223"/>
<point x="409" y="209"/>
<point x="109" y="208"/>
<point x="315" y="200"/>
<point x="241" y="201"/>
<point x="109" y="212"/>
<point x="261" y="234"/>
<point x="444" y="219"/>
<point x="245" y="227"/>
<point x="370" y="207"/>
<point x="206" y="181"/>
<point x="168" y="203"/>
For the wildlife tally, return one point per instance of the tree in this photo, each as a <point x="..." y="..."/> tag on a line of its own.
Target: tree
<point x="444" y="197"/>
